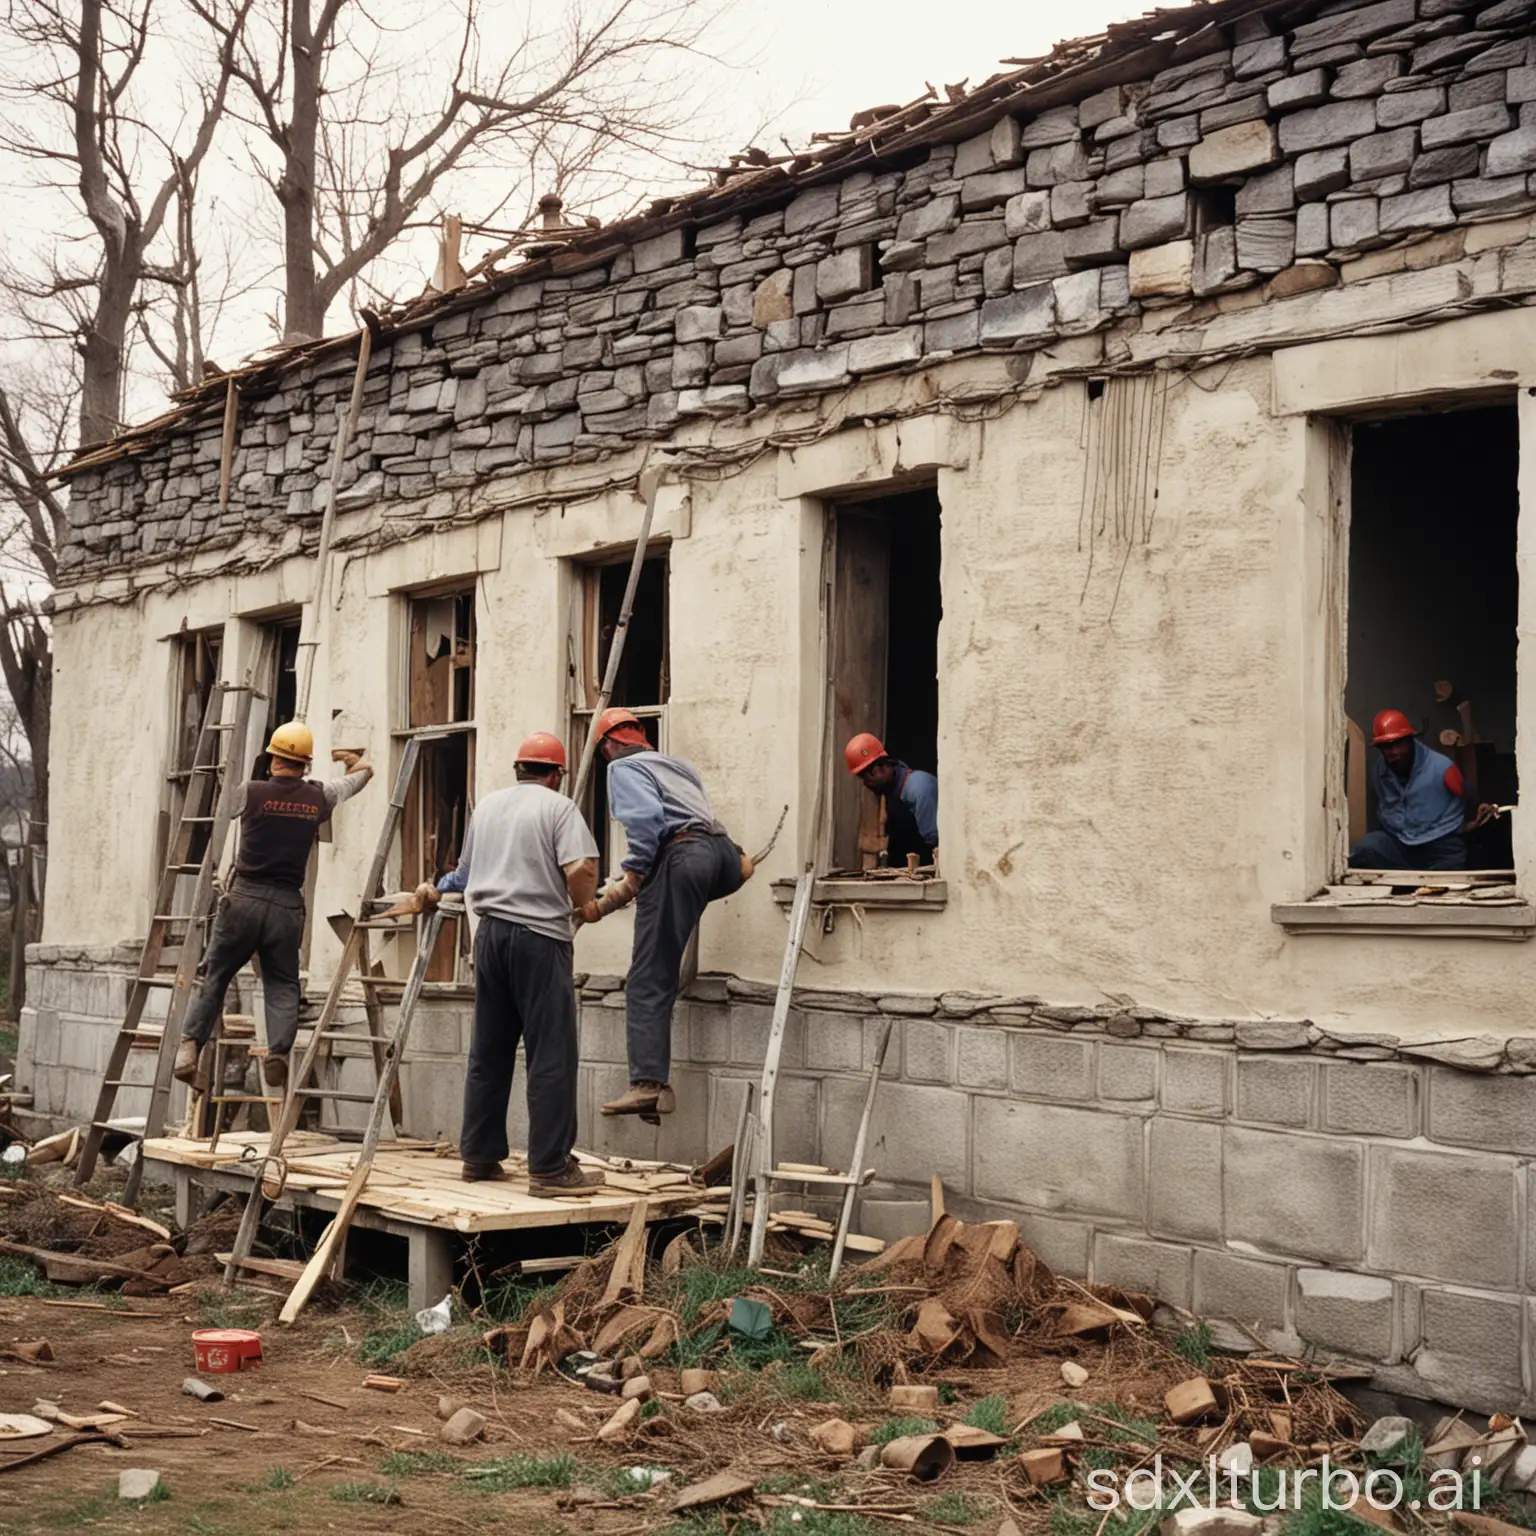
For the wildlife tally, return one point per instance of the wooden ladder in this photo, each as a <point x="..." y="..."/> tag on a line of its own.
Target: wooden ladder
<point x="754" y="1134"/>
<point x="207" y="809"/>
<point x="386" y="1049"/>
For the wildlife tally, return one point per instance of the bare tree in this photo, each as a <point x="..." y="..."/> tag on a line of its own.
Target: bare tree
<point x="357" y="162"/>
<point x="74" y="108"/>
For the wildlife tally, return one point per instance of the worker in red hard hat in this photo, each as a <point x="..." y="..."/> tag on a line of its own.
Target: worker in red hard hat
<point x="529" y="861"/>
<point x="911" y="798"/>
<point x="678" y="859"/>
<point x="1420" y="802"/>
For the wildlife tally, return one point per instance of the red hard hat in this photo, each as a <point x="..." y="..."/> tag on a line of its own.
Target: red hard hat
<point x="863" y="750"/>
<point x="1391" y="725"/>
<point x="611" y="719"/>
<point x="542" y="747"/>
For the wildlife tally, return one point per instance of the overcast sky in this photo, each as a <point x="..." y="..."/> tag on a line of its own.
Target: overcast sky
<point x="846" y="54"/>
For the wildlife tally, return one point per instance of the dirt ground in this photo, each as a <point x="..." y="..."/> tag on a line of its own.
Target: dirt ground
<point x="317" y="1447"/>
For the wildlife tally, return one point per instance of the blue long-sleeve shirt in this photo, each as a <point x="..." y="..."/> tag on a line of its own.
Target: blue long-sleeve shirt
<point x="656" y="797"/>
<point x="919" y="792"/>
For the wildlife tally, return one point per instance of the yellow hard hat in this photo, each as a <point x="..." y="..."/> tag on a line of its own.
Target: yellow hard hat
<point x="293" y="741"/>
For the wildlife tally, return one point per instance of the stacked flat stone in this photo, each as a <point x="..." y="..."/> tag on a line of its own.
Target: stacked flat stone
<point x="1267" y="158"/>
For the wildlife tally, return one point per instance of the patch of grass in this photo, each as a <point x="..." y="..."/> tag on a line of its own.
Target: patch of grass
<point x="156" y="1495"/>
<point x="96" y="1510"/>
<point x="15" y="1171"/>
<point x="18" y="1278"/>
<point x="1122" y="1425"/>
<point x="953" y="1509"/>
<point x="381" y="1348"/>
<point x="697" y="1286"/>
<point x="753" y="1354"/>
<point x="649" y="1410"/>
<point x="1073" y="1518"/>
<point x="1053" y="1418"/>
<point x="505" y="1473"/>
<point x="216" y="1310"/>
<point x="795" y="1482"/>
<point x="1194" y="1345"/>
<point x="507" y="1301"/>
<point x="803" y="1382"/>
<point x="365" y="1493"/>
<point x="690" y="1350"/>
<point x="276" y="1480"/>
<point x="416" y="1463"/>
<point x="817" y="1522"/>
<point x="990" y="1414"/>
<point x="897" y="1429"/>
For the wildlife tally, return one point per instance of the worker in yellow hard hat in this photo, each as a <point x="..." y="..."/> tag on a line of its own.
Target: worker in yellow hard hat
<point x="262" y="913"/>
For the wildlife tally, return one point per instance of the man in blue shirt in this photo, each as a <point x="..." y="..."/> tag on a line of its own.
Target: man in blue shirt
<point x="911" y="798"/>
<point x="679" y="859"/>
<point x="1420" y="803"/>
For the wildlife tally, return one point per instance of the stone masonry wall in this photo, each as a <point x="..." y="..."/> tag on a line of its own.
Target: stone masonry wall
<point x="1270" y="160"/>
<point x="1322" y="1191"/>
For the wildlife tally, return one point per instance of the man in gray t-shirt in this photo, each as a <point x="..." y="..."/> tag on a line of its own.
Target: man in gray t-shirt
<point x="528" y="859"/>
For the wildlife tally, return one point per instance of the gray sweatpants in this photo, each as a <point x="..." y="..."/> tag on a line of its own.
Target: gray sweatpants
<point x="691" y="872"/>
<point x="267" y="921"/>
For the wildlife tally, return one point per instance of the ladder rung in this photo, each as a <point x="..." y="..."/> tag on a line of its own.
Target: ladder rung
<point x="245" y="1098"/>
<point x="155" y="981"/>
<point x="133" y="1134"/>
<point x="186" y="869"/>
<point x="342" y="1034"/>
<point x="201" y="821"/>
<point x="178" y="917"/>
<point x="387" y="927"/>
<point x="340" y="1094"/>
<point x="380" y="981"/>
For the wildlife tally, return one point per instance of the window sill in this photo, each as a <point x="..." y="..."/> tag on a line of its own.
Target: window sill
<point x="919" y="895"/>
<point x="1420" y="920"/>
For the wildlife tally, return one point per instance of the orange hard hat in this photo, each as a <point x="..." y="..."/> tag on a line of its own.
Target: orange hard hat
<point x="542" y="747"/>
<point x="611" y="719"/>
<point x="1391" y="725"/>
<point x="863" y="750"/>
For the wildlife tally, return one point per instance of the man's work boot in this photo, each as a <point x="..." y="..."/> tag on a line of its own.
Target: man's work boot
<point x="644" y="1099"/>
<point x="479" y="1173"/>
<point x="573" y="1179"/>
<point x="274" y="1070"/>
<point x="187" y="1053"/>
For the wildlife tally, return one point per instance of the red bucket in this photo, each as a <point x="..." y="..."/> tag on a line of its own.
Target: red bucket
<point x="221" y="1350"/>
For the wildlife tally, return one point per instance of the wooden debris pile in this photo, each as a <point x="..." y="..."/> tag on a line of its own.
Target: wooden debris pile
<point x="77" y="1241"/>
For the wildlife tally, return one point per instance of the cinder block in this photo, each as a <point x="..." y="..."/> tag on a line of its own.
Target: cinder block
<point x="1371" y="1098"/>
<point x="1349" y="1313"/>
<point x="1246" y="1290"/>
<point x="725" y="1107"/>
<point x="617" y="1135"/>
<point x="1061" y="1243"/>
<point x="981" y="1057"/>
<point x="1288" y="1193"/>
<point x="891" y="1219"/>
<point x="1184" y="1183"/>
<point x="437" y="1030"/>
<point x="1046" y="1067"/>
<point x="1274" y="1090"/>
<point x="432" y="1094"/>
<point x="1195" y="1082"/>
<point x="834" y="1041"/>
<point x="1475" y="1109"/>
<point x="1080" y="1161"/>
<point x="1445" y="1216"/>
<point x="603" y="1035"/>
<point x="709" y="1032"/>
<point x="26" y="1038"/>
<point x="927" y="1052"/>
<point x="45" y="1038"/>
<point x="796" y="1122"/>
<point x="1127" y="1073"/>
<point x="1160" y="1269"/>
<point x="84" y="1044"/>
<point x="914" y="1132"/>
<point x="683" y="1136"/>
<point x="1471" y="1348"/>
<point x="750" y="1025"/>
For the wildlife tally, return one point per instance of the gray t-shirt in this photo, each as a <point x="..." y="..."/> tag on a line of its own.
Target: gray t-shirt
<point x="519" y="842"/>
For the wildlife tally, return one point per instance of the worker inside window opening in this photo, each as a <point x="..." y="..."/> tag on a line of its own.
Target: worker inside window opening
<point x="262" y="913"/>
<point x="678" y="860"/>
<point x="1420" y="803"/>
<point x="911" y="799"/>
<point x="529" y="861"/>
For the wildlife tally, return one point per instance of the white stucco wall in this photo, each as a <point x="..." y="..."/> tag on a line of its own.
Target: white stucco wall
<point x="1129" y="755"/>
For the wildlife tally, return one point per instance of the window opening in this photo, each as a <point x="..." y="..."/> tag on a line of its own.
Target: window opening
<point x="643" y="683"/>
<point x="887" y="604"/>
<point x="282" y="686"/>
<point x="439" y="695"/>
<point x="195" y="670"/>
<point x="1432" y="611"/>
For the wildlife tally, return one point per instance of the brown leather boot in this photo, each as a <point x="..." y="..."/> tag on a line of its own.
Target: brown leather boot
<point x="643" y="1099"/>
<point x="187" y="1053"/>
<point x="479" y="1173"/>
<point x="573" y="1179"/>
<point x="274" y="1071"/>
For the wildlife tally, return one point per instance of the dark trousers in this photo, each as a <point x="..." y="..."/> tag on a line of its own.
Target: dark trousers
<point x="1380" y="850"/>
<point x="266" y="921"/>
<point x="691" y="872"/>
<point x="524" y="991"/>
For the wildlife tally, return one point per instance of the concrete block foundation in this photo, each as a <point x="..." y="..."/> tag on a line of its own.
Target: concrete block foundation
<point x="1378" y="1211"/>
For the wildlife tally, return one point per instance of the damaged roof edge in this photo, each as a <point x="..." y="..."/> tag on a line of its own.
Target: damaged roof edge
<point x="1125" y="52"/>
